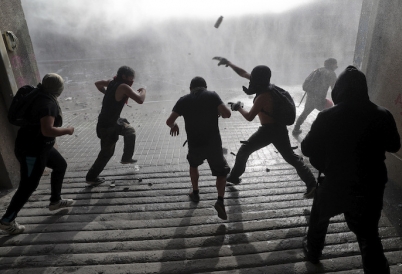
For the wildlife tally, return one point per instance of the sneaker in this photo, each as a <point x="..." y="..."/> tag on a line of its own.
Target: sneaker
<point x="314" y="259"/>
<point x="234" y="181"/>
<point x="12" y="228"/>
<point x="130" y="161"/>
<point x="220" y="208"/>
<point x="194" y="197"/>
<point x="95" y="182"/>
<point x="296" y="131"/>
<point x="61" y="204"/>
<point x="309" y="194"/>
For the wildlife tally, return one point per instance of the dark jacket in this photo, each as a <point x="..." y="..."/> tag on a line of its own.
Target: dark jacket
<point x="348" y="141"/>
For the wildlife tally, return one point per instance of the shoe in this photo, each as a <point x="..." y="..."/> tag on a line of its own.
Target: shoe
<point x="309" y="194"/>
<point x="314" y="259"/>
<point x="61" y="204"/>
<point x="125" y="162"/>
<point x="220" y="208"/>
<point x="95" y="182"/>
<point x="12" y="228"/>
<point x="296" y="131"/>
<point x="194" y="197"/>
<point x="234" y="181"/>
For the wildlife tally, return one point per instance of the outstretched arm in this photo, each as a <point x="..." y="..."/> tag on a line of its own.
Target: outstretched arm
<point x="241" y="72"/>
<point x="171" y="122"/>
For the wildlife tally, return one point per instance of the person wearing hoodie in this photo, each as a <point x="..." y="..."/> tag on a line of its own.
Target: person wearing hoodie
<point x="347" y="143"/>
<point x="34" y="150"/>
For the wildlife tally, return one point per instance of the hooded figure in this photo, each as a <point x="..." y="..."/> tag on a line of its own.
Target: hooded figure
<point x="348" y="143"/>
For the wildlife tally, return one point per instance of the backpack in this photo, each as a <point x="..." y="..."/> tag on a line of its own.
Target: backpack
<point x="284" y="107"/>
<point x="312" y="81"/>
<point x="17" y="113"/>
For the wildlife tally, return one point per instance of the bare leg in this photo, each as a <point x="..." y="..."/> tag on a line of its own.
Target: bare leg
<point x="220" y="185"/>
<point x="194" y="175"/>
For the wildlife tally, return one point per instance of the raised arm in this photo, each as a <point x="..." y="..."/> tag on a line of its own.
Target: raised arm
<point x="102" y="85"/>
<point x="241" y="72"/>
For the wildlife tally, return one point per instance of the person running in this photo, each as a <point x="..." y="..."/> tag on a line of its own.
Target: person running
<point x="201" y="109"/>
<point x="270" y="130"/>
<point x="34" y="149"/>
<point x="348" y="143"/>
<point x="324" y="78"/>
<point x="117" y="92"/>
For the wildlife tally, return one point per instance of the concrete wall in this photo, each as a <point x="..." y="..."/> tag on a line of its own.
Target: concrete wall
<point x="379" y="55"/>
<point x="17" y="68"/>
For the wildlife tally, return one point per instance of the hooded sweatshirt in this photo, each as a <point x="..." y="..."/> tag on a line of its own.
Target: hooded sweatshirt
<point x="348" y="141"/>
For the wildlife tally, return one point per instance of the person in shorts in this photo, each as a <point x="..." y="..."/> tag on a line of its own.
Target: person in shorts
<point x="201" y="110"/>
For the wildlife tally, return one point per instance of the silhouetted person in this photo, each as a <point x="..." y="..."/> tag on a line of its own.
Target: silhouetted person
<point x="200" y="110"/>
<point x="117" y="92"/>
<point x="34" y="150"/>
<point x="270" y="130"/>
<point x="348" y="143"/>
<point x="316" y="97"/>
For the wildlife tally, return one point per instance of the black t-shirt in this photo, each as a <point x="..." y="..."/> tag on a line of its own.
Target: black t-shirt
<point x="30" y="138"/>
<point x="111" y="109"/>
<point x="200" y="113"/>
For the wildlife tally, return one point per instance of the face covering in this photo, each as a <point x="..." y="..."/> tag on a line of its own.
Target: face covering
<point x="130" y="83"/>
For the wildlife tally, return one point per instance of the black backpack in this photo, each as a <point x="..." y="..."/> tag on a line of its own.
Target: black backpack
<point x="312" y="81"/>
<point x="284" y="107"/>
<point x="18" y="112"/>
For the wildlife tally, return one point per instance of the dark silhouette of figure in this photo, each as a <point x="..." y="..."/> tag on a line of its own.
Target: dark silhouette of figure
<point x="348" y="143"/>
<point x="200" y="110"/>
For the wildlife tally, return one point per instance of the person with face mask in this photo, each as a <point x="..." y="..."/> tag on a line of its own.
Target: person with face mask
<point x="348" y="143"/>
<point x="270" y="131"/>
<point x="117" y="92"/>
<point x="34" y="150"/>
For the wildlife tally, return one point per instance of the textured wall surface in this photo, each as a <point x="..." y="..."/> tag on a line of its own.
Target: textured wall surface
<point x="17" y="68"/>
<point x="380" y="54"/>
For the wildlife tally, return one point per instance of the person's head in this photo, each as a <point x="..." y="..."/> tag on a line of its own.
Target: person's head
<point x="260" y="78"/>
<point x="126" y="75"/>
<point x="331" y="64"/>
<point x="351" y="86"/>
<point x="52" y="83"/>
<point x="197" y="83"/>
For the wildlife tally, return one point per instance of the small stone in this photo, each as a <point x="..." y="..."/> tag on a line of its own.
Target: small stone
<point x="112" y="185"/>
<point x="267" y="170"/>
<point x="140" y="180"/>
<point x="126" y="189"/>
<point x="149" y="184"/>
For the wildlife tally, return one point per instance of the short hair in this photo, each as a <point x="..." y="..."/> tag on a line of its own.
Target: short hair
<point x="198" y="82"/>
<point x="125" y="70"/>
<point x="261" y="75"/>
<point x="329" y="62"/>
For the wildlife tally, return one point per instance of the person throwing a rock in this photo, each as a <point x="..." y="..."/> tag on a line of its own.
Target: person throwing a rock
<point x="117" y="92"/>
<point x="271" y="130"/>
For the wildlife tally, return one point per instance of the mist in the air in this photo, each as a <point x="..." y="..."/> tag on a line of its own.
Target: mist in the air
<point x="85" y="41"/>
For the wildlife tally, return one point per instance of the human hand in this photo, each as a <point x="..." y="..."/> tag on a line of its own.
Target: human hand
<point x="236" y="106"/>
<point x="70" y="130"/>
<point x="222" y="61"/>
<point x="174" y="131"/>
<point x="141" y="90"/>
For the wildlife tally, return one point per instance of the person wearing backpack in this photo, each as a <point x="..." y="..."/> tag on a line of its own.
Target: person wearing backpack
<point x="117" y="92"/>
<point x="271" y="129"/>
<point x="34" y="150"/>
<point x="348" y="143"/>
<point x="316" y="86"/>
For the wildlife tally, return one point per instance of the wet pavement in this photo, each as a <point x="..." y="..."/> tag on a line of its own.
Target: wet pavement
<point x="142" y="221"/>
